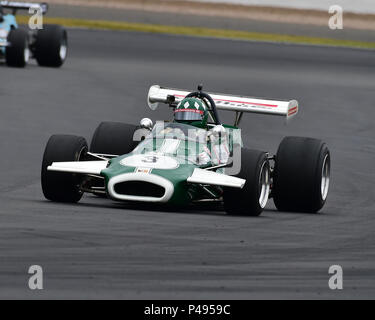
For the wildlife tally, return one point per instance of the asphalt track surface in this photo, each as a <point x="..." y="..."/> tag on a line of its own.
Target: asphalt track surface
<point x="102" y="249"/>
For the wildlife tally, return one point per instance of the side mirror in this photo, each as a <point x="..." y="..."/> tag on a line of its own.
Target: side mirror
<point x="146" y="123"/>
<point x="218" y="131"/>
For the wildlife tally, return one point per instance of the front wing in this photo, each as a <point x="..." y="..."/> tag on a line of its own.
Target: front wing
<point x="199" y="176"/>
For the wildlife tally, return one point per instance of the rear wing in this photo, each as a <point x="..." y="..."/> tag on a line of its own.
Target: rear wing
<point x="15" y="5"/>
<point x="239" y="104"/>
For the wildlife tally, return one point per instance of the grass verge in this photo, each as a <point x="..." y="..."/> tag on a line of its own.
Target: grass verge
<point x="201" y="32"/>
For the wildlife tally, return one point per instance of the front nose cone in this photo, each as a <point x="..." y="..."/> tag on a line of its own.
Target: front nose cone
<point x="139" y="186"/>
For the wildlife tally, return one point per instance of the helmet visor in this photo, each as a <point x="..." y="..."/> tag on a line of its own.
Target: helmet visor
<point x="188" y="115"/>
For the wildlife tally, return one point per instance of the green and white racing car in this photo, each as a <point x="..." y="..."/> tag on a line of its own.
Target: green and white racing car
<point x="192" y="159"/>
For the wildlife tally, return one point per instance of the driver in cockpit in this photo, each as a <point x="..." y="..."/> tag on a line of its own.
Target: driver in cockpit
<point x="192" y="111"/>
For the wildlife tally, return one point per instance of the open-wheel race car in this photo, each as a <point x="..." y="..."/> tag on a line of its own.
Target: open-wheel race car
<point x="47" y="45"/>
<point x="192" y="159"/>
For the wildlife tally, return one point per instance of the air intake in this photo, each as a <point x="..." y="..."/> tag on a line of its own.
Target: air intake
<point x="140" y="189"/>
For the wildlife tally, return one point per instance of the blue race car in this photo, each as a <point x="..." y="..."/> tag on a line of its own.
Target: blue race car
<point x="17" y="45"/>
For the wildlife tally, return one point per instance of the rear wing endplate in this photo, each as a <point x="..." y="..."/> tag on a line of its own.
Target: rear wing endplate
<point x="239" y="104"/>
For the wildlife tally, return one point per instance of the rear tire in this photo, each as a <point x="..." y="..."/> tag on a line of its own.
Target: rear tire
<point x="252" y="198"/>
<point x="51" y="46"/>
<point x="18" y="53"/>
<point x="114" y="138"/>
<point x="61" y="186"/>
<point x="301" y="175"/>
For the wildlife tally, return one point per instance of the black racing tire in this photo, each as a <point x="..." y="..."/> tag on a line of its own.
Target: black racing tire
<point x="114" y="138"/>
<point x="301" y="175"/>
<point x="252" y="198"/>
<point x="17" y="53"/>
<point x="61" y="186"/>
<point x="51" y="46"/>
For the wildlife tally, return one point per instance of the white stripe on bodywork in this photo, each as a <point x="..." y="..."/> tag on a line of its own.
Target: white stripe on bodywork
<point x="150" y="160"/>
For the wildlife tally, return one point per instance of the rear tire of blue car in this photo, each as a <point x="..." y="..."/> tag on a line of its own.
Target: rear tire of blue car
<point x="51" y="46"/>
<point x="62" y="186"/>
<point x="301" y="175"/>
<point x="252" y="198"/>
<point x="17" y="53"/>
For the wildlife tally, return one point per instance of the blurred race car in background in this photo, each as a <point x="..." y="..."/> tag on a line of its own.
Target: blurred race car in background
<point x="17" y="45"/>
<point x="193" y="159"/>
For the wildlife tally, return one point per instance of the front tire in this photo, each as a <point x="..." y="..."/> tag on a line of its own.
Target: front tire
<point x="61" y="186"/>
<point x="301" y="175"/>
<point x="113" y="138"/>
<point x="51" y="46"/>
<point x="253" y="197"/>
<point x="18" y="53"/>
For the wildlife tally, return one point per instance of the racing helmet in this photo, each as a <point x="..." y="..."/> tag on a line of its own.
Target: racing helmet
<point x="192" y="111"/>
